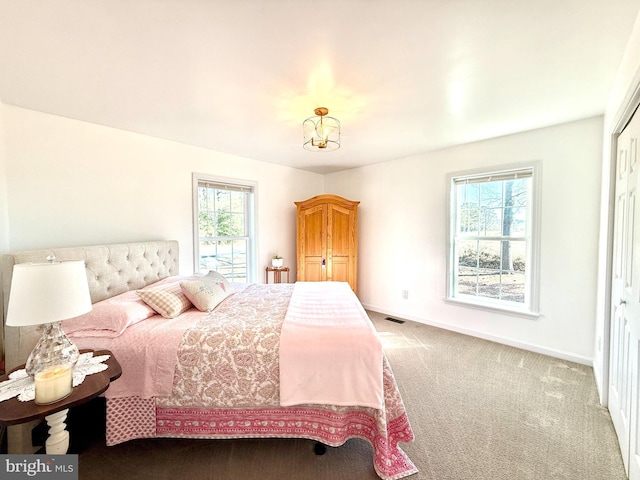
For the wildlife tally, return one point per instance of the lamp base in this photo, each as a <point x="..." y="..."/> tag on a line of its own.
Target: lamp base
<point x="54" y="349"/>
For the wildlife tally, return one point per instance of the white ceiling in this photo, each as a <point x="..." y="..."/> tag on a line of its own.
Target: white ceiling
<point x="240" y="76"/>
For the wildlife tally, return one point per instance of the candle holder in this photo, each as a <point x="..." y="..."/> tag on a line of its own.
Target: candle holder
<point x="53" y="384"/>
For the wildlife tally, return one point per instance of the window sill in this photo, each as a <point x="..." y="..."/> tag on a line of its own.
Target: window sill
<point x="494" y="308"/>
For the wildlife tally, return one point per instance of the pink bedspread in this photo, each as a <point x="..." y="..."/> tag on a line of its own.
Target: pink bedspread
<point x="330" y="353"/>
<point x="226" y="385"/>
<point x="130" y="418"/>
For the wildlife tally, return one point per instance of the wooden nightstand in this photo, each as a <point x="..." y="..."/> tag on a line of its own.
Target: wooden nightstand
<point x="13" y="411"/>
<point x="277" y="274"/>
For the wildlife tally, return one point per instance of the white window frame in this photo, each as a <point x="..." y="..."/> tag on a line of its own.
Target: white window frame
<point x="251" y="217"/>
<point x="531" y="307"/>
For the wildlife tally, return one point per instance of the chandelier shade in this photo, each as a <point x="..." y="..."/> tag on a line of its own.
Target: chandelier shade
<point x="321" y="132"/>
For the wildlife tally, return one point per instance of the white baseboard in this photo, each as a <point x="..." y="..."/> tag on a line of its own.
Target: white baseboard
<point x="601" y="385"/>
<point x="570" y="357"/>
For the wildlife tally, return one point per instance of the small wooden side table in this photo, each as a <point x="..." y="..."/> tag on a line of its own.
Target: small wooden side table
<point x="13" y="411"/>
<point x="277" y="274"/>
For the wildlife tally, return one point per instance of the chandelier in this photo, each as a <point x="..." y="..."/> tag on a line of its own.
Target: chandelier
<point x="321" y="133"/>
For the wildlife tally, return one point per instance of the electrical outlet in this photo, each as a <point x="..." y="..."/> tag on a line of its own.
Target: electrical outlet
<point x="405" y="294"/>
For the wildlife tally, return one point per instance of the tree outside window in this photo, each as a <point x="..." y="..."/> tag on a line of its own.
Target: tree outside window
<point x="491" y="238"/>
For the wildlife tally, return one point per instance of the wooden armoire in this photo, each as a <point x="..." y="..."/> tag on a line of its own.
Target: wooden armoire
<point x="327" y="242"/>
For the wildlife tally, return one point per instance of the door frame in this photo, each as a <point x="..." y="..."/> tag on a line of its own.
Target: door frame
<point x="622" y="118"/>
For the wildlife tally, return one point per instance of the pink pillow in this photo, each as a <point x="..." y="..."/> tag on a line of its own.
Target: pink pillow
<point x="110" y="317"/>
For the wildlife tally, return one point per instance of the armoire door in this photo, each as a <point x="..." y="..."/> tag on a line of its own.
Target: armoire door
<point x="312" y="240"/>
<point x="624" y="377"/>
<point x="340" y="227"/>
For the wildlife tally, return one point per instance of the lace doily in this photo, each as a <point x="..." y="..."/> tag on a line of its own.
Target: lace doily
<point x="22" y="385"/>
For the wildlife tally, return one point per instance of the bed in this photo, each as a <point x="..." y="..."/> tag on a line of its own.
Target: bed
<point x="237" y="371"/>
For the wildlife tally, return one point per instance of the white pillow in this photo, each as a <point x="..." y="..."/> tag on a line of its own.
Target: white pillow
<point x="218" y="278"/>
<point x="205" y="295"/>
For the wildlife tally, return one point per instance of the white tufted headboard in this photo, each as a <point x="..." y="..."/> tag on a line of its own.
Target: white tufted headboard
<point x="111" y="270"/>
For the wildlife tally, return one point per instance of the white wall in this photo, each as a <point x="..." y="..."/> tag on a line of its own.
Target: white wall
<point x="4" y="214"/>
<point x="75" y="183"/>
<point x="4" y="209"/>
<point x="626" y="84"/>
<point x="403" y="224"/>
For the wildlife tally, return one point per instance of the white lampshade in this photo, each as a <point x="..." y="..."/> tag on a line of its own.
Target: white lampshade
<point x="47" y="292"/>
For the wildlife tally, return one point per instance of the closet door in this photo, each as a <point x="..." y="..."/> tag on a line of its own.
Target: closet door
<point x="624" y="376"/>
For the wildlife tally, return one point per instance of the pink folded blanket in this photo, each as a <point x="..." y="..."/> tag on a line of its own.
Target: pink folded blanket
<point x="330" y="352"/>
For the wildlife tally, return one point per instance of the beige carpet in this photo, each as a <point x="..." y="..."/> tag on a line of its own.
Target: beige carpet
<point x="479" y="410"/>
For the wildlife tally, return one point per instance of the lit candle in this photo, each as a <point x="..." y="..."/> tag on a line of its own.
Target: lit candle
<point x="53" y="384"/>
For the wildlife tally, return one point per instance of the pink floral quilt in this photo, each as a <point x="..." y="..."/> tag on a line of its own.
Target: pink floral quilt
<point x="226" y="385"/>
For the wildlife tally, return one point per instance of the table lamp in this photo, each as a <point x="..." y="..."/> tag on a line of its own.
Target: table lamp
<point x="45" y="294"/>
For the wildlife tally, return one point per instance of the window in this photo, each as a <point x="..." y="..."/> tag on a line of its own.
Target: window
<point x="493" y="239"/>
<point x="223" y="224"/>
